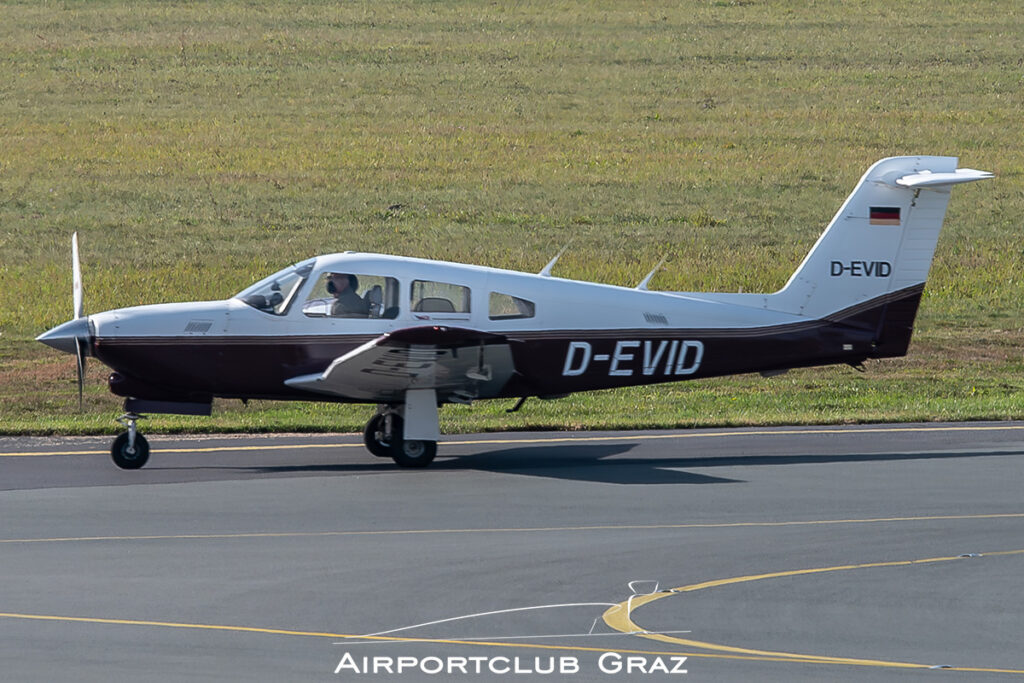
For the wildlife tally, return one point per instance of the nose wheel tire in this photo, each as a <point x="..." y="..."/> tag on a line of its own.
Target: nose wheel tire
<point x="134" y="459"/>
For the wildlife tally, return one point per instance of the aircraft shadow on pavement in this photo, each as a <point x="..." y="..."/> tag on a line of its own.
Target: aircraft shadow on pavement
<point x="582" y="462"/>
<point x="602" y="463"/>
<point x="588" y="463"/>
<point x="828" y="458"/>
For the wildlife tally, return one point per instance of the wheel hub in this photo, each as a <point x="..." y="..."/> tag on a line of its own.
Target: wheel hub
<point x="413" y="449"/>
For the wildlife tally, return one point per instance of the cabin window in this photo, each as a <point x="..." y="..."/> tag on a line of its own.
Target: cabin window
<point x="439" y="297"/>
<point x="352" y="295"/>
<point x="275" y="294"/>
<point x="508" y="307"/>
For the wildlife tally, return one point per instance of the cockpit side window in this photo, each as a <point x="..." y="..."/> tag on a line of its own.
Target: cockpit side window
<point x="508" y="307"/>
<point x="352" y="295"/>
<point x="276" y="293"/>
<point x="439" y="297"/>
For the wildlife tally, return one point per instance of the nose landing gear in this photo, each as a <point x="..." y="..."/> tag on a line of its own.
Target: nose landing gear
<point x="130" y="449"/>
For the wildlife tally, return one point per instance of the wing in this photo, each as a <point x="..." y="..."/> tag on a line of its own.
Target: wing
<point x="460" y="364"/>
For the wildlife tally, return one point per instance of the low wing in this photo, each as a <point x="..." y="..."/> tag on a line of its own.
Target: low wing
<point x="460" y="364"/>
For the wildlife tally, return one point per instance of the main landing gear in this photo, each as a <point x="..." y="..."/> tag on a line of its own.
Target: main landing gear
<point x="130" y="449"/>
<point x="384" y="437"/>
<point x="405" y="432"/>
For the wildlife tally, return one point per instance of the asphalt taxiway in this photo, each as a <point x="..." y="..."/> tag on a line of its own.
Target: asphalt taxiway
<point x="815" y="553"/>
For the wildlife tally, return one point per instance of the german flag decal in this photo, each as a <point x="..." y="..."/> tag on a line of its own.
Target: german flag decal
<point x="885" y="215"/>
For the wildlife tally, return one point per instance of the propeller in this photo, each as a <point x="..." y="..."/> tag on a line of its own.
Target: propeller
<point x="76" y="288"/>
<point x="75" y="335"/>
<point x="76" y="276"/>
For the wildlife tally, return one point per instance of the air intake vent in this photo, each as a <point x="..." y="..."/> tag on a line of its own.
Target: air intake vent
<point x="656" y="318"/>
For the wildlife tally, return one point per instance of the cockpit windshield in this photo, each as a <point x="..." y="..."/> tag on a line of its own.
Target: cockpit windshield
<point x="275" y="294"/>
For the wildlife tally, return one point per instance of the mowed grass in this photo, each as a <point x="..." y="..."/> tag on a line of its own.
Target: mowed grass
<point x="198" y="147"/>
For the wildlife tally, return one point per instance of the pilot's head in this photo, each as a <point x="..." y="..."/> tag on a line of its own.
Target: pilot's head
<point x="339" y="282"/>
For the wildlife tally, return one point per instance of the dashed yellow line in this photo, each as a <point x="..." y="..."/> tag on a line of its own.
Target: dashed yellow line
<point x="567" y="439"/>
<point x="620" y="618"/>
<point x="605" y="527"/>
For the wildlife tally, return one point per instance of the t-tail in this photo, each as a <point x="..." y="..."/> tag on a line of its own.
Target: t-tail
<point x="868" y="269"/>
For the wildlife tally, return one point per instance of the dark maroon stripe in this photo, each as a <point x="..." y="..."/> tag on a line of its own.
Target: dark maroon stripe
<point x="181" y="367"/>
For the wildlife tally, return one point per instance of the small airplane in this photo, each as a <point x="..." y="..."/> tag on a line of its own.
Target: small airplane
<point x="410" y="334"/>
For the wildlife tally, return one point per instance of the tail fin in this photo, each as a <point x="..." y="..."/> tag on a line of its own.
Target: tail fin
<point x="881" y="241"/>
<point x="867" y="270"/>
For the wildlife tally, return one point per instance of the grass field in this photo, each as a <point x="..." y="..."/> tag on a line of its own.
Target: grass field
<point x="197" y="147"/>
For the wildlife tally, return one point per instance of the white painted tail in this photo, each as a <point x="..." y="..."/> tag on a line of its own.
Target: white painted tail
<point x="881" y="241"/>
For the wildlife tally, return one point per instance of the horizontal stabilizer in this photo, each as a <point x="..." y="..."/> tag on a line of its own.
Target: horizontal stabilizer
<point x="929" y="179"/>
<point x="868" y="270"/>
<point x="881" y="240"/>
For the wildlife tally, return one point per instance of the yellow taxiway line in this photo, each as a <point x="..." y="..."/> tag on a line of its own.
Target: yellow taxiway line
<point x="620" y="617"/>
<point x="506" y="530"/>
<point x="616" y="617"/>
<point x="359" y="638"/>
<point x="566" y="439"/>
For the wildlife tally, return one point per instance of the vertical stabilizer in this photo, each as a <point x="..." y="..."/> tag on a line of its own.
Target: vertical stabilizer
<point x="881" y="242"/>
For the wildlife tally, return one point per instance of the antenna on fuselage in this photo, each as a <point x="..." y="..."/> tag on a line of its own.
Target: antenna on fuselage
<point x="643" y="283"/>
<point x="546" y="270"/>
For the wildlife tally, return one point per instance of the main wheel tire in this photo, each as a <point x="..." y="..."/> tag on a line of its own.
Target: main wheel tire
<point x="374" y="439"/>
<point x="413" y="453"/>
<point x="124" y="459"/>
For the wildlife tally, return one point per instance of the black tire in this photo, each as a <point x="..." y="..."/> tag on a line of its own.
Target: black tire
<point x="413" y="453"/>
<point x="373" y="436"/>
<point x="124" y="459"/>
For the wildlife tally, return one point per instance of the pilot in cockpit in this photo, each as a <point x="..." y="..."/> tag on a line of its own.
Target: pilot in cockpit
<point x="343" y="287"/>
